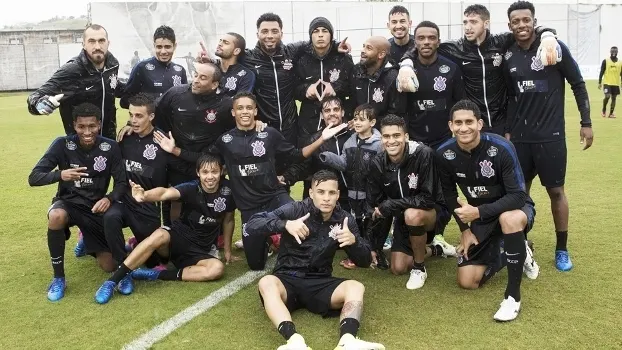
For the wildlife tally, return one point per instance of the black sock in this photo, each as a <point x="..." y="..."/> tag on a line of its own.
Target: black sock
<point x="436" y="249"/>
<point x="613" y="105"/>
<point x="120" y="274"/>
<point x="287" y="329"/>
<point x="349" y="326"/>
<point x="562" y="240"/>
<point x="170" y="275"/>
<point x="56" y="245"/>
<point x="515" y="252"/>
<point x="605" y="101"/>
<point x="419" y="266"/>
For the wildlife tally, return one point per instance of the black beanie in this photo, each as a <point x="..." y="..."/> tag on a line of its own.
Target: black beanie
<point x="321" y="22"/>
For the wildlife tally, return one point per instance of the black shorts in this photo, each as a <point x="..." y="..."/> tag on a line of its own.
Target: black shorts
<point x="313" y="294"/>
<point x="142" y="225"/>
<point x="182" y="251"/>
<point x="611" y="89"/>
<point x="91" y="225"/>
<point x="547" y="160"/>
<point x="489" y="236"/>
<point x="401" y="236"/>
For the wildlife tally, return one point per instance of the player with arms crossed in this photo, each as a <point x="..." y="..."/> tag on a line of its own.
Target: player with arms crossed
<point x="536" y="123"/>
<point x="85" y="162"/>
<point x="497" y="208"/>
<point x="302" y="276"/>
<point x="207" y="207"/>
<point x="610" y="71"/>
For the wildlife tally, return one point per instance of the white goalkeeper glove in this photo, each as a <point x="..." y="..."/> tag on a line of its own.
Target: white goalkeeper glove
<point x="47" y="104"/>
<point x="407" y="79"/>
<point x="549" y="51"/>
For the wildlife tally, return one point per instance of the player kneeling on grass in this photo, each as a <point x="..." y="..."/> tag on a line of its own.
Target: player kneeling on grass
<point x="486" y="169"/>
<point x="302" y="277"/>
<point x="189" y="243"/>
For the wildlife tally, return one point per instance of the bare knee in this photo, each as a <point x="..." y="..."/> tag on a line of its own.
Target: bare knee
<point x="414" y="217"/>
<point x="106" y="262"/>
<point x="57" y="219"/>
<point x="556" y="194"/>
<point x="268" y="285"/>
<point x="468" y="281"/>
<point x="158" y="238"/>
<point x="354" y="287"/>
<point x="214" y="271"/>
<point x="399" y="268"/>
<point x="512" y="221"/>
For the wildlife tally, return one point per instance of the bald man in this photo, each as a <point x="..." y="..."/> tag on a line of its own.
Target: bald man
<point x="372" y="80"/>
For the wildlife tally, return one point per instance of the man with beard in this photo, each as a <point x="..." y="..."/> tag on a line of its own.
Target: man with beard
<point x="236" y="78"/>
<point x="89" y="77"/>
<point x="373" y="80"/>
<point x="610" y="69"/>
<point x="157" y="74"/>
<point x="323" y="72"/>
<point x="480" y="56"/>
<point x="399" y="25"/>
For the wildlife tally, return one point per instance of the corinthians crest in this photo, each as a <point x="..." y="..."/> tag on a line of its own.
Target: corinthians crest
<point x="258" y="148"/>
<point x="334" y="231"/>
<point x="378" y="95"/>
<point x="536" y="64"/>
<point x="99" y="163"/>
<point x="150" y="151"/>
<point x="219" y="204"/>
<point x="486" y="168"/>
<point x="439" y="83"/>
<point x="412" y="181"/>
<point x="334" y="75"/>
<point x="210" y="116"/>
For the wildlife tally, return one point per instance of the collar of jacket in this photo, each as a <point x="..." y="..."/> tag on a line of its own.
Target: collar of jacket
<point x="361" y="71"/>
<point x="482" y="139"/>
<point x="316" y="213"/>
<point x="375" y="136"/>
<point x="165" y="64"/>
<point x="110" y="62"/>
<point x="472" y="44"/>
<point x="411" y="147"/>
<point x="334" y="48"/>
<point x="279" y="52"/>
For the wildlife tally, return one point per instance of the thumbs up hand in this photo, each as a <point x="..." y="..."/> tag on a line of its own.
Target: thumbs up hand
<point x="467" y="213"/>
<point x="297" y="228"/>
<point x="47" y="104"/>
<point x="345" y="237"/>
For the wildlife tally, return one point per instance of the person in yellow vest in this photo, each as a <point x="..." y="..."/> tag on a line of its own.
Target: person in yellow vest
<point x="609" y="80"/>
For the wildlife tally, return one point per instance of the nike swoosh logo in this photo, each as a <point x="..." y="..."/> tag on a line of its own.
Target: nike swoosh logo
<point x="465" y="63"/>
<point x="89" y="88"/>
<point x="258" y="66"/>
<point x="308" y="78"/>
<point x="387" y="184"/>
<point x="181" y="110"/>
<point x="508" y="254"/>
<point x="358" y="88"/>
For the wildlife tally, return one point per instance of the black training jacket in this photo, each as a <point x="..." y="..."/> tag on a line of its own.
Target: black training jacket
<point x="314" y="257"/>
<point x="378" y="89"/>
<point x="154" y="78"/>
<point x="489" y="176"/>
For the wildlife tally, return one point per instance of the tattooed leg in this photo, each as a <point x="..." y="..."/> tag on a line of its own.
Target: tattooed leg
<point x="352" y="309"/>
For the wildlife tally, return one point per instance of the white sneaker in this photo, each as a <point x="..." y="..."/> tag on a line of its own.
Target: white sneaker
<point x="530" y="267"/>
<point x="239" y="244"/>
<point x="349" y="342"/>
<point x="508" y="311"/>
<point x="448" y="249"/>
<point x="295" y="342"/>
<point x="417" y="279"/>
<point x="214" y="252"/>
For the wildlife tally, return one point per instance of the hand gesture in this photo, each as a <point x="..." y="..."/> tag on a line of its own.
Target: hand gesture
<point x="137" y="192"/>
<point x="586" y="135"/>
<point x="203" y="56"/>
<point x="312" y="93"/>
<point x="467" y="239"/>
<point x="549" y="51"/>
<point x="331" y="130"/>
<point x="344" y="46"/>
<point x="376" y="214"/>
<point x="73" y="174"/>
<point x="328" y="90"/>
<point x="297" y="228"/>
<point x="47" y="104"/>
<point x="101" y="206"/>
<point x="344" y="236"/>
<point x="466" y="212"/>
<point x="281" y="180"/>
<point x="126" y="130"/>
<point x="166" y="143"/>
<point x="407" y="80"/>
<point x="508" y="136"/>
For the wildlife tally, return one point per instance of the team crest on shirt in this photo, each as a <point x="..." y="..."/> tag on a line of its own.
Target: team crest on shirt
<point x="444" y="69"/>
<point x="366" y="157"/>
<point x="210" y="116"/>
<point x="492" y="151"/>
<point x="227" y="138"/>
<point x="378" y="95"/>
<point x="231" y="83"/>
<point x="262" y="134"/>
<point x="439" y="83"/>
<point x="536" y="64"/>
<point x="507" y="55"/>
<point x="486" y="168"/>
<point x="412" y="181"/>
<point x="71" y="145"/>
<point x="258" y="148"/>
<point x="177" y="68"/>
<point x="99" y="163"/>
<point x="104" y="146"/>
<point x="113" y="81"/>
<point x="334" y="231"/>
<point x="334" y="75"/>
<point x="149" y="66"/>
<point x="449" y="155"/>
<point x="225" y="191"/>
<point x="244" y="233"/>
<point x="241" y="73"/>
<point x="219" y="204"/>
<point x="150" y="151"/>
<point x="287" y="64"/>
<point x="176" y="80"/>
<point x="496" y="60"/>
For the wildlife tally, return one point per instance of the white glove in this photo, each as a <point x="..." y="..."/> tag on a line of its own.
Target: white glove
<point x="407" y="79"/>
<point x="549" y="51"/>
<point x="47" y="104"/>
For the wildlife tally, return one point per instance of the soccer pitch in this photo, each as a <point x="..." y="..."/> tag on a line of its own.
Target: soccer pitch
<point x="579" y="309"/>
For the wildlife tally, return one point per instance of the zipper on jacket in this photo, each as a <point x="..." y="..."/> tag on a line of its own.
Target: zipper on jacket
<point x="484" y="85"/>
<point x="319" y="122"/>
<point x="399" y="181"/>
<point x="101" y="130"/>
<point x="278" y="95"/>
<point x="368" y="86"/>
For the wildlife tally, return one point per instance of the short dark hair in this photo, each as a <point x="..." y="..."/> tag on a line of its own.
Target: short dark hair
<point x="208" y="158"/>
<point x="240" y="42"/>
<point x="368" y="109"/>
<point x="164" y="32"/>
<point x="614" y="47"/>
<point x="244" y="94"/>
<point x="323" y="176"/>
<point x="141" y="99"/>
<point x="465" y="105"/>
<point x="328" y="99"/>
<point x="217" y="76"/>
<point x="399" y="9"/>
<point x="94" y="27"/>
<point x="269" y="17"/>
<point x="479" y="10"/>
<point x="522" y="5"/>
<point x="428" y="24"/>
<point x="86" y="109"/>
<point x="393" y="120"/>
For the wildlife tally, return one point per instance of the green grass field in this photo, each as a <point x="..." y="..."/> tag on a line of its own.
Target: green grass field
<point x="579" y="309"/>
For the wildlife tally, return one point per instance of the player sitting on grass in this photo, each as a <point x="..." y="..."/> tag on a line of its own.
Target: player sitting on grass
<point x="207" y="206"/>
<point x="302" y="277"/>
